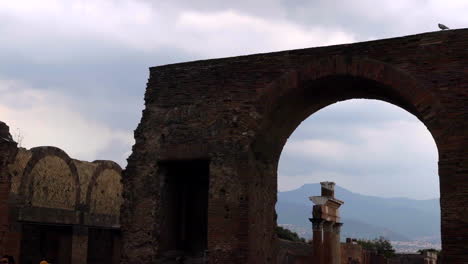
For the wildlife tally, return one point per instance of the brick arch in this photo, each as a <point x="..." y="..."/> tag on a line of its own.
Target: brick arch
<point x="103" y="165"/>
<point x="381" y="80"/>
<point x="299" y="93"/>
<point x="38" y="153"/>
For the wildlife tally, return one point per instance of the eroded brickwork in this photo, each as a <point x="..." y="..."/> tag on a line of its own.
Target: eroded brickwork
<point x="290" y="252"/>
<point x="8" y="150"/>
<point x="238" y="112"/>
<point x="54" y="200"/>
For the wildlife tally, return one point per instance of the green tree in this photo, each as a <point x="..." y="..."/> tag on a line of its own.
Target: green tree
<point x="287" y="234"/>
<point x="380" y="245"/>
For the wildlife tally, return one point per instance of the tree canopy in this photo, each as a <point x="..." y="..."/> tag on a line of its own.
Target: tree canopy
<point x="287" y="234"/>
<point x="379" y="245"/>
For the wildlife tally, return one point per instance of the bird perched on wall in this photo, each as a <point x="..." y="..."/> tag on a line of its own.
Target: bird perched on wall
<point x="443" y="27"/>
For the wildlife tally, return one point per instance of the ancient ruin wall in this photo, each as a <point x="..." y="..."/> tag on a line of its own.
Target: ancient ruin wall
<point x="46" y="177"/>
<point x="237" y="113"/>
<point x="8" y="149"/>
<point x="48" y="188"/>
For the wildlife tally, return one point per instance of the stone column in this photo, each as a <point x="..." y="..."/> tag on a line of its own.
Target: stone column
<point x="79" y="253"/>
<point x="326" y="211"/>
<point x="336" y="243"/>
<point x="317" y="240"/>
<point x="328" y="241"/>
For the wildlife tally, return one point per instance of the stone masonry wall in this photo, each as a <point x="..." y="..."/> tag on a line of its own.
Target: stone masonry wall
<point x="49" y="188"/>
<point x="46" y="177"/>
<point x="238" y="113"/>
<point x="294" y="252"/>
<point x="8" y="149"/>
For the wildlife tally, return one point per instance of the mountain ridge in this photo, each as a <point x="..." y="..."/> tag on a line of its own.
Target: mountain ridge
<point x="399" y="218"/>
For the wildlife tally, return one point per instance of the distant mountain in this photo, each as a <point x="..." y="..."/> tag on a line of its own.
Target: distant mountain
<point x="364" y="216"/>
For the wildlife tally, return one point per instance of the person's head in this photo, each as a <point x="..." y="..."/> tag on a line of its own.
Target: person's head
<point x="6" y="259"/>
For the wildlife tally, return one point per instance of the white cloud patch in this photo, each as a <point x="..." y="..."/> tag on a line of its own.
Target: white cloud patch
<point x="386" y="143"/>
<point x="232" y="33"/>
<point x="315" y="148"/>
<point x="45" y="118"/>
<point x="67" y="30"/>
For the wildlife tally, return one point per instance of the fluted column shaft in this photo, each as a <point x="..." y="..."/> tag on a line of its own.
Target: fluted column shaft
<point x="317" y="240"/>
<point x="336" y="243"/>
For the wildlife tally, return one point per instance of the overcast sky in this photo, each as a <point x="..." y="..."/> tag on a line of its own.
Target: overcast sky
<point x="73" y="74"/>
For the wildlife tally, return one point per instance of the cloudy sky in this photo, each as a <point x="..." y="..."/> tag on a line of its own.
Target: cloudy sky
<point x="73" y="74"/>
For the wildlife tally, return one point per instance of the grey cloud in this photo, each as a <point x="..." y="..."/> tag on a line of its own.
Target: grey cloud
<point x="366" y="19"/>
<point x="107" y="79"/>
<point x="101" y="88"/>
<point x="260" y="8"/>
<point x="371" y="19"/>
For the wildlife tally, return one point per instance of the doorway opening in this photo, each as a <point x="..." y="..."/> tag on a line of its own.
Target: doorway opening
<point x="49" y="242"/>
<point x="184" y="201"/>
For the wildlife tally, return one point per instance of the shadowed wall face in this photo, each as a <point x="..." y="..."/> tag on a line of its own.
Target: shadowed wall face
<point x="52" y="243"/>
<point x="185" y="203"/>
<point x="103" y="246"/>
<point x="8" y="150"/>
<point x="238" y="113"/>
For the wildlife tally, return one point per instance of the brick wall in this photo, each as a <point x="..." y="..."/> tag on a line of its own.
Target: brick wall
<point x="238" y="113"/>
<point x="43" y="187"/>
<point x="294" y="253"/>
<point x="8" y="151"/>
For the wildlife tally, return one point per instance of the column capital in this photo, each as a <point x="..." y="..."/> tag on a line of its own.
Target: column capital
<point x="337" y="227"/>
<point x="328" y="226"/>
<point x="316" y="223"/>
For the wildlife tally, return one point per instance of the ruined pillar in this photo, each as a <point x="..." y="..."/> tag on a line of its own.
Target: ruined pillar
<point x="328" y="240"/>
<point x="336" y="243"/>
<point x="79" y="254"/>
<point x="317" y="240"/>
<point x="325" y="211"/>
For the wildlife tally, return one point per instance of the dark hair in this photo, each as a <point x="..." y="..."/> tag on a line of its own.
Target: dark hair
<point x="11" y="259"/>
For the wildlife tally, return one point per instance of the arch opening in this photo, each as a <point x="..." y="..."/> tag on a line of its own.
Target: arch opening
<point x="384" y="162"/>
<point x="307" y="96"/>
<point x="300" y="95"/>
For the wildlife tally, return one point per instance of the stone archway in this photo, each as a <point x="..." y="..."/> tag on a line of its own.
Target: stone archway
<point x="235" y="115"/>
<point x="298" y="94"/>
